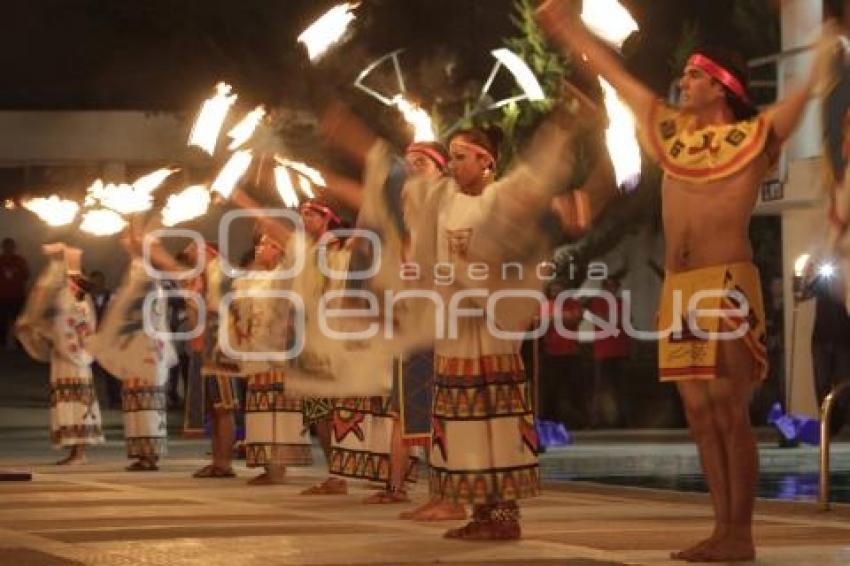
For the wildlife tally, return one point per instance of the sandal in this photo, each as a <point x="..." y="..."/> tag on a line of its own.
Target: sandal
<point x="142" y="466"/>
<point x="388" y="496"/>
<point x="213" y="471"/>
<point x="331" y="486"/>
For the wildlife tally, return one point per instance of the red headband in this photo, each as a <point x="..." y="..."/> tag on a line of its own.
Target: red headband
<point x="327" y="212"/>
<point x="479" y="149"/>
<point x="430" y="152"/>
<point x="720" y="74"/>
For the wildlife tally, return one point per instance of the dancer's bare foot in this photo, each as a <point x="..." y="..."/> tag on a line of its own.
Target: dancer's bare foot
<point x="73" y="459"/>
<point x="331" y="486"/>
<point x="414" y="513"/>
<point x="694" y="550"/>
<point x="443" y="511"/>
<point x="728" y="549"/>
<point x="267" y="479"/>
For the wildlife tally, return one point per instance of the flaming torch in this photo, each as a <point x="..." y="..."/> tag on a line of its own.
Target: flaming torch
<point x="423" y="129"/>
<point x="621" y="140"/>
<point x="283" y="182"/>
<point x="243" y="131"/>
<point x="151" y="182"/>
<point x="211" y="118"/>
<point x="122" y="198"/>
<point x="53" y="210"/>
<point x="328" y="30"/>
<point x="192" y="202"/>
<point x="609" y="20"/>
<point x="102" y="222"/>
<point x="232" y="171"/>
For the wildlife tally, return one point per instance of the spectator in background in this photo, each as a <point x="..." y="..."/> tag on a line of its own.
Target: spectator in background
<point x="14" y="273"/>
<point x="612" y="390"/>
<point x="563" y="392"/>
<point x="831" y="335"/>
<point x="101" y="296"/>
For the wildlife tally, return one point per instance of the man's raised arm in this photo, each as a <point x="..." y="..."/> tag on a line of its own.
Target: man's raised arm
<point x="562" y="24"/>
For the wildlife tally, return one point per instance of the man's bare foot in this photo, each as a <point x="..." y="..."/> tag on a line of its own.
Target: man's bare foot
<point x="443" y="511"/>
<point x="73" y="460"/>
<point x="331" y="486"/>
<point x="414" y="513"/>
<point x="267" y="479"/>
<point x="688" y="553"/>
<point x="728" y="549"/>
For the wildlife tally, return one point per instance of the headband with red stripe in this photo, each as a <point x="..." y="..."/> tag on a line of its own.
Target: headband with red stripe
<point x="474" y="147"/>
<point x="323" y="210"/>
<point x="720" y="74"/>
<point x="430" y="152"/>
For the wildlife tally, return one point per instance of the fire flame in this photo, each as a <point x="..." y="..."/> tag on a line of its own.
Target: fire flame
<point x="53" y="210"/>
<point x="242" y="132"/>
<point x="423" y="129"/>
<point x="151" y="182"/>
<point x="102" y="222"/>
<point x="190" y="203"/>
<point x="232" y="171"/>
<point x="328" y="30"/>
<point x="609" y="20"/>
<point x="314" y="175"/>
<point x="621" y="140"/>
<point x="305" y="186"/>
<point x="211" y="118"/>
<point x="283" y="182"/>
<point x="122" y="198"/>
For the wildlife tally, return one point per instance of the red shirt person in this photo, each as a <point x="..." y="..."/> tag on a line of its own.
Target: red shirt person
<point x="610" y="398"/>
<point x="563" y="391"/>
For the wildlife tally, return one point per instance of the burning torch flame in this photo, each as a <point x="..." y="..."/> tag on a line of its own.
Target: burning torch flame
<point x="243" y="131"/>
<point x="621" y="140"/>
<point x="102" y="222"/>
<point x="305" y="186"/>
<point x="314" y="175"/>
<point x="232" y="172"/>
<point x="211" y="118"/>
<point x="53" y="210"/>
<point x="609" y="20"/>
<point x="122" y="198"/>
<point x="423" y="129"/>
<point x="283" y="182"/>
<point x="192" y="202"/>
<point x="328" y="30"/>
<point x="524" y="76"/>
<point x="151" y="182"/>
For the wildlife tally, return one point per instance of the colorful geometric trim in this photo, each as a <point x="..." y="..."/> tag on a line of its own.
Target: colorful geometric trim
<point x="706" y="154"/>
<point x="482" y="487"/>
<point x="257" y="455"/>
<point x="367" y="465"/>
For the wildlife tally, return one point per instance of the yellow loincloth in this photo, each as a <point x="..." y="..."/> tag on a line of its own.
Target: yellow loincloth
<point x="687" y="349"/>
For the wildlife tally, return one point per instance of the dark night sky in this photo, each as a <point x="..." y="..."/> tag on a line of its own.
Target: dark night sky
<point x="165" y="54"/>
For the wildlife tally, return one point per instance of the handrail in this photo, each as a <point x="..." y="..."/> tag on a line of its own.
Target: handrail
<point x="825" y="413"/>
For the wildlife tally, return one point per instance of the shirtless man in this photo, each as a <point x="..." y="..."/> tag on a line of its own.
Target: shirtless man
<point x="715" y="151"/>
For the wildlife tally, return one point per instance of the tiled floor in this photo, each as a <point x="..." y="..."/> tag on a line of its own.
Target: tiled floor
<point x="100" y="514"/>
